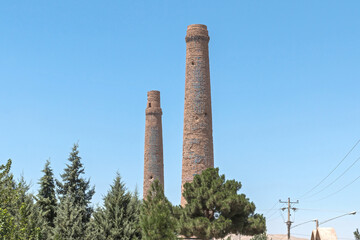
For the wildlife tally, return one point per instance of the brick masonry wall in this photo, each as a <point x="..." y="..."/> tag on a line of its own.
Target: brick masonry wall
<point x="153" y="154"/>
<point x="197" y="140"/>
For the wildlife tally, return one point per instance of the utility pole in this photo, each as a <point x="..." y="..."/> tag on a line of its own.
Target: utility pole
<point x="288" y="223"/>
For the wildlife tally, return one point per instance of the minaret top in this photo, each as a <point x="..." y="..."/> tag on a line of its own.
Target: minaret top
<point x="153" y="102"/>
<point x="197" y="32"/>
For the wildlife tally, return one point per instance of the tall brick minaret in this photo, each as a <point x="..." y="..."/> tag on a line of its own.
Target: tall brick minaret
<point x="197" y="140"/>
<point x="153" y="155"/>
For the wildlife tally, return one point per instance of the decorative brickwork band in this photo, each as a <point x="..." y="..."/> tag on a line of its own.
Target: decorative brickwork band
<point x="153" y="155"/>
<point x="197" y="38"/>
<point x="197" y="140"/>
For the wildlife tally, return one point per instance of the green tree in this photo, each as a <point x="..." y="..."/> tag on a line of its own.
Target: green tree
<point x="69" y="224"/>
<point x="18" y="214"/>
<point x="118" y="219"/>
<point x="357" y="234"/>
<point x="214" y="208"/>
<point x="8" y="192"/>
<point x="47" y="202"/>
<point x="75" y="195"/>
<point x="27" y="214"/>
<point x="7" y="227"/>
<point x="157" y="218"/>
<point x="260" y="237"/>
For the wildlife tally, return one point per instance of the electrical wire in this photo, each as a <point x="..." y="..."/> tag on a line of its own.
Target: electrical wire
<point x="274" y="218"/>
<point x="272" y="208"/>
<point x="320" y="210"/>
<point x="339" y="189"/>
<point x="306" y="193"/>
<point x="336" y="178"/>
<point x="272" y="214"/>
<point x="282" y="215"/>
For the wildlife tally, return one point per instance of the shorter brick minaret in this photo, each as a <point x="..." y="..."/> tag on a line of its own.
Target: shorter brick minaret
<point x="153" y="155"/>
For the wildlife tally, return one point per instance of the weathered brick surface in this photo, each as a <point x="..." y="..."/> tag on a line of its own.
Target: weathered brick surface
<point x="153" y="154"/>
<point x="197" y="140"/>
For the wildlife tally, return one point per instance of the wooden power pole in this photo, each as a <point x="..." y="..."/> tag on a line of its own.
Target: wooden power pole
<point x="288" y="223"/>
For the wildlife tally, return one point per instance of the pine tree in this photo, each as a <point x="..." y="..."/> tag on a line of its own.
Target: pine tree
<point x="47" y="202"/>
<point x="69" y="224"/>
<point x="156" y="219"/>
<point x="118" y="219"/>
<point x="214" y="208"/>
<point x="134" y="230"/>
<point x="7" y="187"/>
<point x="75" y="195"/>
<point x="8" y="197"/>
<point x="7" y="226"/>
<point x="18" y="214"/>
<point x="357" y="234"/>
<point x="26" y="217"/>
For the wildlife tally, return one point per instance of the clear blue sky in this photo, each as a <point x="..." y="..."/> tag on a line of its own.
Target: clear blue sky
<point x="285" y="94"/>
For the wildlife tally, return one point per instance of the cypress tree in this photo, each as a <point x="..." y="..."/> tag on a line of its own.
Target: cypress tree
<point x="157" y="219"/>
<point x="75" y="195"/>
<point x="47" y="202"/>
<point x="118" y="218"/>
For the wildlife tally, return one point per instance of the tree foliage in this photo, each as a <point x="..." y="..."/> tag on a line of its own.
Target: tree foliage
<point x="7" y="187"/>
<point x="47" y="202"/>
<point x="18" y="213"/>
<point x="157" y="218"/>
<point x="357" y="234"/>
<point x="74" y="185"/>
<point x="260" y="237"/>
<point x="75" y="195"/>
<point x="118" y="218"/>
<point x="214" y="208"/>
<point x="69" y="223"/>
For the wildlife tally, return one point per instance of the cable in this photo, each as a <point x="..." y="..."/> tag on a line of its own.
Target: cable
<point x="336" y="178"/>
<point x="272" y="208"/>
<point x="294" y="216"/>
<point x="331" y="171"/>
<point x="302" y="223"/>
<point x="282" y="215"/>
<point x="321" y="210"/>
<point x="340" y="189"/>
<point x="274" y="218"/>
<point x="273" y="214"/>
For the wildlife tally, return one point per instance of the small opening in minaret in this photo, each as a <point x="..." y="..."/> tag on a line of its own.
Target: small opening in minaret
<point x="151" y="177"/>
<point x="149" y="104"/>
<point x="205" y="114"/>
<point x="192" y="63"/>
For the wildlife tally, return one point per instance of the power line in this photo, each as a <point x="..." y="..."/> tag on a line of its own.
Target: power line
<point x="336" y="178"/>
<point x="340" y="189"/>
<point x="274" y="218"/>
<point x="321" y="210"/>
<point x="282" y="215"/>
<point x="272" y="214"/>
<point x="273" y="207"/>
<point x="331" y="171"/>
